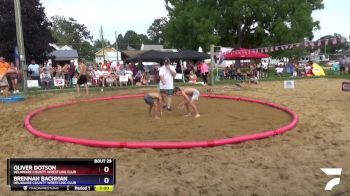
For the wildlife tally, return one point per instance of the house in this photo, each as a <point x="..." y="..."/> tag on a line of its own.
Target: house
<point x="63" y="54"/>
<point x="108" y="54"/>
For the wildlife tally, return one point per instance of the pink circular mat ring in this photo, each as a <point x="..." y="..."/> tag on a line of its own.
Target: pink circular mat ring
<point x="187" y="144"/>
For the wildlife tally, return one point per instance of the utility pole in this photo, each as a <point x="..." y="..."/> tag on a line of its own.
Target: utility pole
<point x="103" y="47"/>
<point x="116" y="46"/>
<point x="20" y="42"/>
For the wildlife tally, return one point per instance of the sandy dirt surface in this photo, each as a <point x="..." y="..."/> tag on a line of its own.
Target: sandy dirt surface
<point x="127" y="120"/>
<point x="288" y="164"/>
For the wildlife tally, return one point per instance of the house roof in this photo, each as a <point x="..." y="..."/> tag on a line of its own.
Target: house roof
<point x="100" y="52"/>
<point x="151" y="47"/>
<point x="64" y="55"/>
<point x="131" y="53"/>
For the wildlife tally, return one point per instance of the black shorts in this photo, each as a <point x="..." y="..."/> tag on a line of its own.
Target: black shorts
<point x="148" y="99"/>
<point x="82" y="80"/>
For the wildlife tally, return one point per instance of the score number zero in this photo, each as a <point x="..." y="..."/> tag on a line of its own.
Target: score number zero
<point x="105" y="169"/>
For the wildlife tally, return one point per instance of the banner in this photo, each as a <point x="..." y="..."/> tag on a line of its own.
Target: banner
<point x="33" y="83"/>
<point x="289" y="84"/>
<point x="58" y="82"/>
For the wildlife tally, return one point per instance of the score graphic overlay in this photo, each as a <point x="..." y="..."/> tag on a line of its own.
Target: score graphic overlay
<point x="96" y="174"/>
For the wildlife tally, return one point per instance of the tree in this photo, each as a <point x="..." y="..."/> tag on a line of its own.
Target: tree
<point x="192" y="24"/>
<point x="156" y="31"/>
<point x="131" y="38"/>
<point x="240" y="23"/>
<point x="36" y="33"/>
<point x="99" y="44"/>
<point x="67" y="31"/>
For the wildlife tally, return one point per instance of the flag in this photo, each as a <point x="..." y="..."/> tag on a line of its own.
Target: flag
<point x="326" y="42"/>
<point x="319" y="43"/>
<point x="343" y="40"/>
<point x="334" y="41"/>
<point x="16" y="56"/>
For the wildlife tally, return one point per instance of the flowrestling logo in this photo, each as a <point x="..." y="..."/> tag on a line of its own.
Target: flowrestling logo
<point x="346" y="86"/>
<point x="332" y="172"/>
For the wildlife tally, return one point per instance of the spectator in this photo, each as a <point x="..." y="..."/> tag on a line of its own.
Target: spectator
<point x="192" y="78"/>
<point x="34" y="71"/>
<point x="4" y="67"/>
<point x="71" y="73"/>
<point x="59" y="74"/>
<point x="13" y="72"/>
<point x="45" y="78"/>
<point x="204" y="72"/>
<point x="96" y="76"/>
<point x="129" y="73"/>
<point x="279" y="71"/>
<point x="264" y="66"/>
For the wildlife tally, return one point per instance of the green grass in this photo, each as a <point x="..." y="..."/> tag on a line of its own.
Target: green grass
<point x="271" y="77"/>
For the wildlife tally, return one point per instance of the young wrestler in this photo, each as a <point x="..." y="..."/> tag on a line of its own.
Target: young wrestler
<point x="190" y="95"/>
<point x="154" y="100"/>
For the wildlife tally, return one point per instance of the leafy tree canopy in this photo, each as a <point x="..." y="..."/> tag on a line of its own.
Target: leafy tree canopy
<point x="240" y="23"/>
<point x="36" y="33"/>
<point x="67" y="31"/>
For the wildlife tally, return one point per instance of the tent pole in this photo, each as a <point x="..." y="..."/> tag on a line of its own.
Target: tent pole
<point x="212" y="64"/>
<point x="182" y="71"/>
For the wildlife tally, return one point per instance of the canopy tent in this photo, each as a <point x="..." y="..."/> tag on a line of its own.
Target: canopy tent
<point x="193" y="55"/>
<point x="243" y="53"/>
<point x="153" y="56"/>
<point x="158" y="56"/>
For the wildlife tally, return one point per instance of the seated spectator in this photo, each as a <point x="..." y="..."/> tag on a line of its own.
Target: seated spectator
<point x="279" y="71"/>
<point x="187" y="73"/>
<point x="105" y="74"/>
<point x="129" y="73"/>
<point x="45" y="78"/>
<point x="226" y="73"/>
<point x="193" y="78"/>
<point x="96" y="76"/>
<point x="111" y="79"/>
<point x="59" y="74"/>
<point x="308" y="69"/>
<point x="138" y="77"/>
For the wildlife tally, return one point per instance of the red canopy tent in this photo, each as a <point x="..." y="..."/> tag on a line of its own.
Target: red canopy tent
<point x="244" y="53"/>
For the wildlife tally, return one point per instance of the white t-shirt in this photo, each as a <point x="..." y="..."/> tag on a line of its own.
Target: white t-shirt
<point x="35" y="69"/>
<point x="264" y="65"/>
<point x="169" y="79"/>
<point x="128" y="73"/>
<point x="279" y="69"/>
<point x="97" y="74"/>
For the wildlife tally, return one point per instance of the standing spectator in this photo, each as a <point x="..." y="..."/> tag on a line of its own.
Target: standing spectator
<point x="13" y="72"/>
<point x="204" y="71"/>
<point x="65" y="70"/>
<point x="34" y="71"/>
<point x="71" y="73"/>
<point x="4" y="67"/>
<point x="166" y="85"/>
<point x="82" y="77"/>
<point x="264" y="66"/>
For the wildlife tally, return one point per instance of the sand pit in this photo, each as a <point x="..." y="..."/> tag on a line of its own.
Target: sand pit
<point x="288" y="164"/>
<point x="118" y="118"/>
